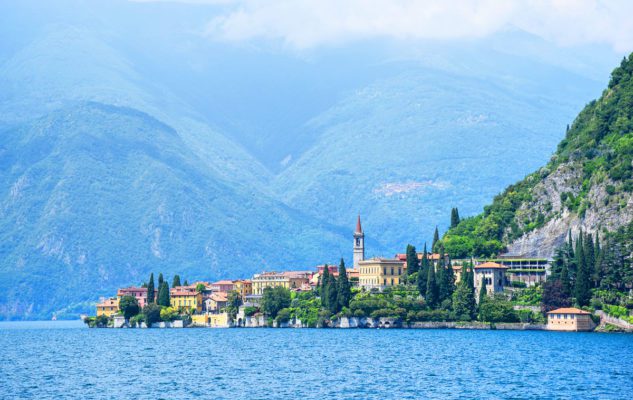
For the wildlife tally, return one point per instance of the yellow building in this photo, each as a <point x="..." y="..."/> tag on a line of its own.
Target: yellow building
<point x="379" y="272"/>
<point x="185" y="298"/>
<point x="244" y="287"/>
<point x="108" y="307"/>
<point x="289" y="279"/>
<point x="569" y="319"/>
<point x="220" y="320"/>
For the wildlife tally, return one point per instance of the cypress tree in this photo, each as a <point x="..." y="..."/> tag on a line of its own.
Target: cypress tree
<point x="436" y="238"/>
<point x="564" y="279"/>
<point x="432" y="295"/>
<point x="344" y="290"/>
<point x="423" y="272"/>
<point x="332" y="294"/>
<point x="150" y="289"/>
<point x="163" y="295"/>
<point x="464" y="304"/>
<point x="582" y="287"/>
<point x="483" y="291"/>
<point x="412" y="260"/>
<point x="325" y="278"/>
<point x="160" y="280"/>
<point x="186" y="283"/>
<point x="176" y="281"/>
<point x="590" y="256"/>
<point x="444" y="278"/>
<point x="454" y="217"/>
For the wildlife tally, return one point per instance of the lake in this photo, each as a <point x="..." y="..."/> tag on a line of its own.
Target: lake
<point x="66" y="360"/>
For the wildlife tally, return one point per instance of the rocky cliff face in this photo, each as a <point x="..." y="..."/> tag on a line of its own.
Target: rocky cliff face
<point x="604" y="213"/>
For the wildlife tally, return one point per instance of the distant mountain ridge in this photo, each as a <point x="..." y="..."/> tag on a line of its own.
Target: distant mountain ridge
<point x="124" y="152"/>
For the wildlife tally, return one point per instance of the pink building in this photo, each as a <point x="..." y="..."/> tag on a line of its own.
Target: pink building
<point x="139" y="292"/>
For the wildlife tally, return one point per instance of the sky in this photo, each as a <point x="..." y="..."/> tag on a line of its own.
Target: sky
<point x="306" y="24"/>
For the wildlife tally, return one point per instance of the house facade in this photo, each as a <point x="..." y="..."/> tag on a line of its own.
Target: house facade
<point x="493" y="274"/>
<point x="380" y="272"/>
<point x="569" y="319"/>
<point x="108" y="307"/>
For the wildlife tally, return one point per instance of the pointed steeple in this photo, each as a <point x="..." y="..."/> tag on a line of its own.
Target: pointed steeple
<point x="359" y="229"/>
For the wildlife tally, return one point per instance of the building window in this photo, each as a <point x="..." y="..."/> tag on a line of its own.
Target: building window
<point x="399" y="271"/>
<point x="391" y="270"/>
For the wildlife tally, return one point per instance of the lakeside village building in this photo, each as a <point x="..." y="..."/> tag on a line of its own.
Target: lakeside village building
<point x="374" y="273"/>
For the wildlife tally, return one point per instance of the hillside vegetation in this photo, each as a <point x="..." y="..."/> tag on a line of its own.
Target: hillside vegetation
<point x="586" y="185"/>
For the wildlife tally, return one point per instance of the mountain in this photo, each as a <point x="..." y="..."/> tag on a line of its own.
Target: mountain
<point x="132" y="142"/>
<point x="587" y="185"/>
<point x="405" y="150"/>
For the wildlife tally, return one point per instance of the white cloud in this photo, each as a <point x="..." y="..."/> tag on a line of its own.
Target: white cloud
<point x="302" y="24"/>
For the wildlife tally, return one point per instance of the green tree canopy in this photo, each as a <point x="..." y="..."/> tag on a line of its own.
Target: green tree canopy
<point x="150" y="289"/>
<point x="129" y="306"/>
<point x="274" y="300"/>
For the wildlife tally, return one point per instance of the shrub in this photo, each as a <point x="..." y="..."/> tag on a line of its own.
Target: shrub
<point x="283" y="315"/>
<point x="250" y="311"/>
<point x="137" y="319"/>
<point x="168" y="314"/>
<point x="518" y="284"/>
<point x="152" y="314"/>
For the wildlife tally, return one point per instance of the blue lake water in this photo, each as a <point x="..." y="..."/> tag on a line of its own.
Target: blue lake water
<point x="66" y="360"/>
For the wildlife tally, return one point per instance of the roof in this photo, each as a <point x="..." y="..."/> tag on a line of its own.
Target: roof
<point x="132" y="289"/>
<point x="490" y="264"/>
<point x="381" y="260"/>
<point x="359" y="229"/>
<point x="107" y="303"/>
<point x="219" y="297"/>
<point x="297" y="274"/>
<point x="178" y="292"/>
<point x="223" y="282"/>
<point x="569" y="310"/>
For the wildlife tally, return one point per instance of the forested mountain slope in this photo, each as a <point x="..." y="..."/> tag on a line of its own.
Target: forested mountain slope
<point x="586" y="186"/>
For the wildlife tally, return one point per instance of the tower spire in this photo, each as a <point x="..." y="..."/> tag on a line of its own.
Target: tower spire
<point x="359" y="229"/>
<point x="359" y="243"/>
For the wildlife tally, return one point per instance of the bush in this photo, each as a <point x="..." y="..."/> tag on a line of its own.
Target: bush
<point x="102" y="321"/>
<point x="137" y="319"/>
<point x="152" y="314"/>
<point x="432" y="315"/>
<point x="250" y="311"/>
<point x="283" y="315"/>
<point x="497" y="310"/>
<point x="168" y="314"/>
<point x="518" y="284"/>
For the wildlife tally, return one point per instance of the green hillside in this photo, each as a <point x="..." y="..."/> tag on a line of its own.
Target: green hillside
<point x="591" y="171"/>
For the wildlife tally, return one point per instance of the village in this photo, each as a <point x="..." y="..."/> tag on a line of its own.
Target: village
<point x="370" y="281"/>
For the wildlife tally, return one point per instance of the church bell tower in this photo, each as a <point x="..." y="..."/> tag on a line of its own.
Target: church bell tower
<point x="359" y="243"/>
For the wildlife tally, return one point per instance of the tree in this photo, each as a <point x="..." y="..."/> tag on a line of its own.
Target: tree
<point x="483" y="291"/>
<point x="432" y="295"/>
<point x="176" y="281"/>
<point x="412" y="260"/>
<point x="163" y="295"/>
<point x="150" y="289"/>
<point x="454" y="217"/>
<point x="582" y="289"/>
<point x="151" y="313"/>
<point x="200" y="287"/>
<point x="234" y="301"/>
<point x="160" y="279"/>
<point x="436" y="238"/>
<point x="554" y="296"/>
<point x="423" y="272"/>
<point x="186" y="283"/>
<point x="331" y="294"/>
<point x="464" y="304"/>
<point x="445" y="278"/>
<point x="565" y="282"/>
<point x="274" y="300"/>
<point x="497" y="309"/>
<point x="323" y="281"/>
<point x="129" y="306"/>
<point x="344" y="288"/>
